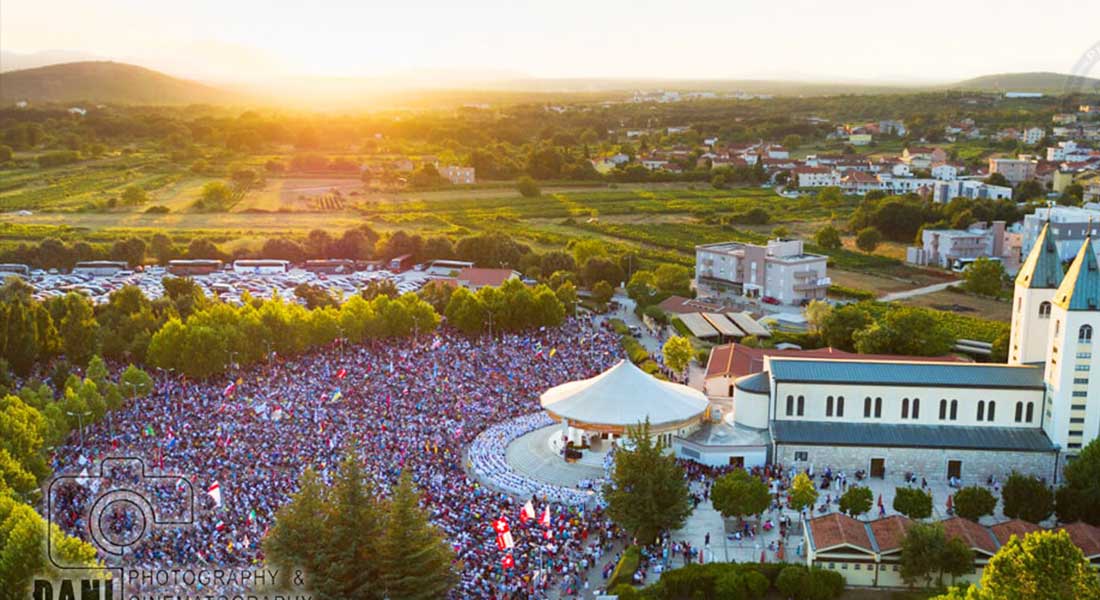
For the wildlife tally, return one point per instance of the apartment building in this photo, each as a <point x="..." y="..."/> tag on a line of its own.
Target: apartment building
<point x="781" y="269"/>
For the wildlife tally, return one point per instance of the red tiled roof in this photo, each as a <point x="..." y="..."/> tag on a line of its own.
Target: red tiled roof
<point x="736" y="359"/>
<point x="1016" y="527"/>
<point x="975" y="536"/>
<point x="890" y="531"/>
<point x="799" y="170"/>
<point x="478" y="277"/>
<point x="836" y="529"/>
<point x="1084" y="536"/>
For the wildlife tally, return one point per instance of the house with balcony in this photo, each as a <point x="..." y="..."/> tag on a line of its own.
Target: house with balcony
<point x="781" y="269"/>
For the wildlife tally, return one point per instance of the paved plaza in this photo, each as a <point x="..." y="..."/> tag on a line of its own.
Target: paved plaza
<point x="532" y="455"/>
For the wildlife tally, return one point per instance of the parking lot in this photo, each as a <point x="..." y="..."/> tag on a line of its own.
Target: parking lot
<point x="226" y="284"/>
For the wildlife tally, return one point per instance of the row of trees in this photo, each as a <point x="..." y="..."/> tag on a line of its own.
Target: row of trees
<point x="899" y="330"/>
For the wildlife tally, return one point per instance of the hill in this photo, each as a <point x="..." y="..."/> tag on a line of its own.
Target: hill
<point x="1046" y="82"/>
<point x="103" y="81"/>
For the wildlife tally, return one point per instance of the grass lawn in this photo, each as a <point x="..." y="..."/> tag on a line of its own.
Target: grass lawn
<point x="966" y="304"/>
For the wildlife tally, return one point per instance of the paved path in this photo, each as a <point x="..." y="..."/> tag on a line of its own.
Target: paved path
<point x="532" y="456"/>
<point x="928" y="289"/>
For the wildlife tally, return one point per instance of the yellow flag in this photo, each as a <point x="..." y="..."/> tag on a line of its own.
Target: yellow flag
<point x="553" y="351"/>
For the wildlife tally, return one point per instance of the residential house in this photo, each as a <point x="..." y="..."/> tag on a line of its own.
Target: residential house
<point x="1015" y="170"/>
<point x="458" y="175"/>
<point x="781" y="270"/>
<point x="814" y="177"/>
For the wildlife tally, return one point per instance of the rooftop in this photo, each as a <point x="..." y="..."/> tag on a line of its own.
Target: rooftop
<point x="1021" y="439"/>
<point x="905" y="372"/>
<point x="837" y="529"/>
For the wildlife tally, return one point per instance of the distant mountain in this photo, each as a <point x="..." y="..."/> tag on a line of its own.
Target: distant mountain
<point x="15" y="61"/>
<point x="1046" y="82"/>
<point x="103" y="81"/>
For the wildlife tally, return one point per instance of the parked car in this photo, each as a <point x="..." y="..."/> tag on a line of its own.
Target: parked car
<point x="769" y="300"/>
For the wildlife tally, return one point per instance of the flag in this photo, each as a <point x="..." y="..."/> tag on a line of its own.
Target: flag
<point x="545" y="519"/>
<point x="229" y="389"/>
<point x="342" y="373"/>
<point x="501" y="526"/>
<point x="508" y="562"/>
<point x="505" y="541"/>
<point x="437" y="343"/>
<point x="553" y="351"/>
<point x="548" y="534"/>
<point x="220" y="525"/>
<point x="215" y="492"/>
<point x="149" y="430"/>
<point x="252" y="516"/>
<point x="527" y="512"/>
<point x="337" y="395"/>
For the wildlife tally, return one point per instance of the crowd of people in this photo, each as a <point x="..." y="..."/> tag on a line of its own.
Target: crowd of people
<point x="405" y="405"/>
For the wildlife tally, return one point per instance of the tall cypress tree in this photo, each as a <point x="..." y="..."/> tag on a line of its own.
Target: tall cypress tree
<point x="416" y="561"/>
<point x="348" y="560"/>
<point x="297" y="538"/>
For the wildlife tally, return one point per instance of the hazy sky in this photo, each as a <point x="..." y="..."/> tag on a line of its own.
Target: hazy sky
<point x="848" y="39"/>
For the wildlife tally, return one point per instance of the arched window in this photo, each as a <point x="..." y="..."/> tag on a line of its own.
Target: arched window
<point x="1019" y="411"/>
<point x="829" y="406"/>
<point x="867" y="407"/>
<point x="1030" y="411"/>
<point x="878" y="408"/>
<point x="790" y="405"/>
<point x="954" y="409"/>
<point x="943" y="409"/>
<point x="916" y="408"/>
<point x="801" y="406"/>
<point x="981" y="410"/>
<point x="992" y="411"/>
<point x="840" y="406"/>
<point x="905" y="408"/>
<point x="1084" y="334"/>
<point x="1044" y="310"/>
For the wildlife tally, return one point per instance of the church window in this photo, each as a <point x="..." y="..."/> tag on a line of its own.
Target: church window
<point x="1084" y="334"/>
<point x="992" y="411"/>
<point x="801" y="406"/>
<point x="867" y="407"/>
<point x="790" y="405"/>
<point x="905" y="408"/>
<point x="943" y="409"/>
<point x="878" y="408"/>
<point x="829" y="406"/>
<point x="1044" y="310"/>
<point x="840" y="406"/>
<point x="1030" y="411"/>
<point x="1019" y="411"/>
<point x="954" y="409"/>
<point x="981" y="410"/>
<point x="916" y="408"/>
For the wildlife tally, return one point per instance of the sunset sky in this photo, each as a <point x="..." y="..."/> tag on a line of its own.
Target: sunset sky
<point x="935" y="40"/>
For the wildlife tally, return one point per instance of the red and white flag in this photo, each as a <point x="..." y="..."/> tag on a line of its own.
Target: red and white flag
<point x="544" y="520"/>
<point x="229" y="389"/>
<point x="501" y="526"/>
<point x="508" y="562"/>
<point x="342" y="373"/>
<point x="215" y="492"/>
<point x="505" y="541"/>
<point x="548" y="534"/>
<point x="527" y="512"/>
<point x="220" y="525"/>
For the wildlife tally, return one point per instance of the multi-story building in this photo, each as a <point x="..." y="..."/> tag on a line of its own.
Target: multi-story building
<point x="1069" y="226"/>
<point x="1014" y="170"/>
<point x="811" y="177"/>
<point x="1033" y="135"/>
<point x="943" y="247"/>
<point x="945" y="191"/>
<point x="781" y="270"/>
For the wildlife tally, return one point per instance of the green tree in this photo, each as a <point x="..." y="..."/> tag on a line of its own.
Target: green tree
<point x="353" y="526"/>
<point x="828" y="237"/>
<point x="567" y="295"/>
<point x="985" y="277"/>
<point x="1079" y="496"/>
<point x="135" y="382"/>
<point x="817" y="313"/>
<point x="297" y="539"/>
<point x="868" y="239"/>
<point x="974" y="502"/>
<point x="830" y="196"/>
<point x="912" y="502"/>
<point x="78" y="328"/>
<point x="602" y="292"/>
<point x="414" y="558"/>
<point x="905" y="330"/>
<point x="648" y="493"/>
<point x="1027" y="497"/>
<point x="22" y="549"/>
<point x="134" y="195"/>
<point x="585" y="250"/>
<point x="527" y="187"/>
<point x="1042" y="564"/>
<point x="803" y="492"/>
<point x="739" y="494"/>
<point x="839" y="328"/>
<point x="926" y="552"/>
<point x="678" y="353"/>
<point x="466" y="313"/>
<point x="672" y="278"/>
<point x="857" y="500"/>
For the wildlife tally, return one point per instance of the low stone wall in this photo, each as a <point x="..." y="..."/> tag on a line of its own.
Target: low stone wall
<point x="931" y="463"/>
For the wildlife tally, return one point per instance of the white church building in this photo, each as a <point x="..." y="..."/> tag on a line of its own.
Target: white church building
<point x="935" y="419"/>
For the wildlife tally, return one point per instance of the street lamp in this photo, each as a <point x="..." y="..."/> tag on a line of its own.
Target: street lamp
<point x="80" y="423"/>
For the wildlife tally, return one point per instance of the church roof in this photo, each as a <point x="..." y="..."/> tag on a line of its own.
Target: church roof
<point x="896" y="435"/>
<point x="624" y="395"/>
<point x="903" y="373"/>
<point x="1043" y="268"/>
<point x="1080" y="289"/>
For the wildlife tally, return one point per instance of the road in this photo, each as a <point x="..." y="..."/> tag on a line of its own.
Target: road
<point x="928" y="289"/>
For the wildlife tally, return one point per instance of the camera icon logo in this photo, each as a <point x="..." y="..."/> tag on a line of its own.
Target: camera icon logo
<point x="116" y="506"/>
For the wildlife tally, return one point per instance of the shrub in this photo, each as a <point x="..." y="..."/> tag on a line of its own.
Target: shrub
<point x="789" y="581"/>
<point x="840" y="291"/>
<point x="527" y="187"/>
<point x="974" y="502"/>
<point x="868" y="239"/>
<point x="624" y="571"/>
<point x="56" y="159"/>
<point x="158" y="209"/>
